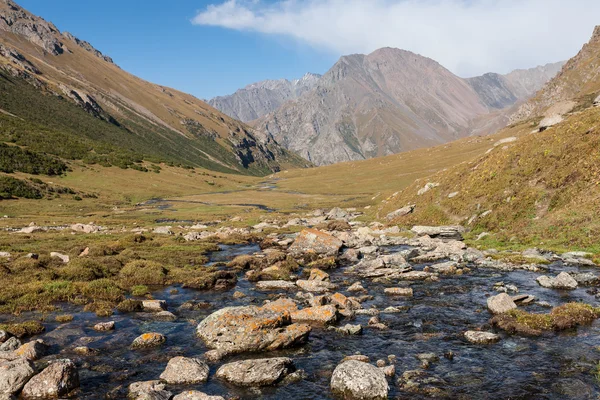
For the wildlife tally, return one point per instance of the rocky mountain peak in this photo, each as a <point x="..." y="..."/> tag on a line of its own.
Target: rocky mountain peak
<point x="87" y="46"/>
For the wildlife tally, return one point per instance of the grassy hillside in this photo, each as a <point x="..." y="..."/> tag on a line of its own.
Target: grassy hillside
<point x="543" y="188"/>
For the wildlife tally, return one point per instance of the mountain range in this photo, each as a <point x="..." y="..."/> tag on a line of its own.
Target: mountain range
<point x="383" y="103"/>
<point x="46" y="74"/>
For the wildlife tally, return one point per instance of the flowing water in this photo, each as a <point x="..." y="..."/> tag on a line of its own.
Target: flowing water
<point x="555" y="366"/>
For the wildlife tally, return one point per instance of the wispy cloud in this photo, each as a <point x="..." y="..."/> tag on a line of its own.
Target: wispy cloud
<point x="467" y="36"/>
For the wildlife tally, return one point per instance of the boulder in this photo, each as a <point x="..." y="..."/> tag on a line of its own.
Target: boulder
<point x="86" y="228"/>
<point x="11" y="344"/>
<point x="398" y="291"/>
<point x="196" y="395"/>
<point x="320" y="314"/>
<point x="163" y="230"/>
<point x="315" y="286"/>
<point x="348" y="329"/>
<point x="14" y="375"/>
<point x="318" y="275"/>
<point x="4" y="336"/>
<point x="275" y="285"/>
<point x="256" y="372"/>
<point x="154" y="305"/>
<point x="478" y="337"/>
<point x="56" y="380"/>
<point x="63" y="257"/>
<point x="147" y="340"/>
<point x="149" y="390"/>
<point x="316" y="242"/>
<point x="443" y="232"/>
<point x="500" y="303"/>
<point x="104" y="326"/>
<point x="33" y="350"/>
<point x="561" y="281"/>
<point x="250" y="329"/>
<point x="357" y="380"/>
<point x="597" y="101"/>
<point x="400" y="212"/>
<point x="183" y="370"/>
<point x="428" y="186"/>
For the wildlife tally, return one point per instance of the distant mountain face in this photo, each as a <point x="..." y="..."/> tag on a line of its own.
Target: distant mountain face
<point x="258" y="99"/>
<point x="578" y="83"/>
<point x="388" y="102"/>
<point x="140" y="117"/>
<point x="500" y="91"/>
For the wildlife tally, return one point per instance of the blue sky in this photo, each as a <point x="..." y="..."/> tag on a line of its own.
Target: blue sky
<point x="155" y="40"/>
<point x="213" y="47"/>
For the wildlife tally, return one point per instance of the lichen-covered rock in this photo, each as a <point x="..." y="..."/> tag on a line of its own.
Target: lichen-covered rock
<point x="356" y="380"/>
<point x="315" y="286"/>
<point x="319" y="314"/>
<point x="57" y="379"/>
<point x="149" y="390"/>
<point x="275" y="285"/>
<point x="183" y="370"/>
<point x="151" y="339"/>
<point x="14" y="375"/>
<point x="500" y="303"/>
<point x="317" y="242"/>
<point x="250" y="329"/>
<point x="258" y="372"/>
<point x="11" y="344"/>
<point x="398" y="291"/>
<point x="478" y="337"/>
<point x="33" y="350"/>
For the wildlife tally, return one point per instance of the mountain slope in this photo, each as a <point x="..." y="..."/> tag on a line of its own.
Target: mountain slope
<point x="537" y="186"/>
<point x="387" y="102"/>
<point x="261" y="98"/>
<point x="578" y="83"/>
<point x="136" y="116"/>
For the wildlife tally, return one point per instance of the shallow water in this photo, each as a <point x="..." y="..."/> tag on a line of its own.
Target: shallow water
<point x="556" y="366"/>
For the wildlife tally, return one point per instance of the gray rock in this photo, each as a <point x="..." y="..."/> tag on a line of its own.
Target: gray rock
<point x="478" y="337"/>
<point x="56" y="380"/>
<point x="561" y="281"/>
<point x="356" y="380"/>
<point x="104" y="326"/>
<point x="14" y="375"/>
<point x="550" y="121"/>
<point x="249" y="329"/>
<point x="500" y="303"/>
<point x="315" y="286"/>
<point x="11" y="344"/>
<point x="444" y="232"/>
<point x="400" y="212"/>
<point x="183" y="370"/>
<point x="4" y="336"/>
<point x="146" y="340"/>
<point x="163" y="230"/>
<point x="165" y="316"/>
<point x="154" y="305"/>
<point x="317" y="242"/>
<point x="275" y="285"/>
<point x="585" y="278"/>
<point x="256" y="372"/>
<point x="348" y="329"/>
<point x="149" y="390"/>
<point x="63" y="257"/>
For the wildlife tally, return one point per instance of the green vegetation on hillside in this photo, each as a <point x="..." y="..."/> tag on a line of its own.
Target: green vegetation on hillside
<point x="13" y="158"/>
<point x="542" y="189"/>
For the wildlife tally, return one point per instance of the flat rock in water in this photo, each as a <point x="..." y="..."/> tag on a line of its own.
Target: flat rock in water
<point x="275" y="285"/>
<point x="14" y="375"/>
<point x="56" y="380"/>
<point x="356" y="380"/>
<point x="317" y="242"/>
<point x="183" y="370"/>
<point x="500" y="303"/>
<point x="250" y="329"/>
<point x="315" y="286"/>
<point x="154" y="305"/>
<point x="256" y="372"/>
<point x="151" y="339"/>
<point x="320" y="314"/>
<point x="478" y="337"/>
<point x="398" y="291"/>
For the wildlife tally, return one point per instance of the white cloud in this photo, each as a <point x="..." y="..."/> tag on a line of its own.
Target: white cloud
<point x="469" y="37"/>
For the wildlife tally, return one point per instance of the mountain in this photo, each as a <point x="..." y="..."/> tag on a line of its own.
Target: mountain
<point x="62" y="96"/>
<point x="500" y="91"/>
<point x="388" y="102"/>
<point x="261" y="98"/>
<point x="530" y="188"/>
<point x="577" y="84"/>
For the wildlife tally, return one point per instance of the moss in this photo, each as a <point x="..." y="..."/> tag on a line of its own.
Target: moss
<point x="563" y="317"/>
<point x="86" y="269"/>
<point x="140" y="290"/>
<point x="143" y="272"/>
<point x="323" y="263"/>
<point x="63" y="319"/>
<point x="23" y="329"/>
<point x="101" y="308"/>
<point x="130" y="305"/>
<point x="102" y="290"/>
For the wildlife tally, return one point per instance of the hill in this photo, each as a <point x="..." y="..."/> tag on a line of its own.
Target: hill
<point x="62" y="96"/>
<point x="539" y="187"/>
<point x="392" y="101"/>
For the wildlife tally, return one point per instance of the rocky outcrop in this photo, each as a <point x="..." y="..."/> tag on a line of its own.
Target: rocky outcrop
<point x="87" y="46"/>
<point x="316" y="242"/>
<point x="250" y="329"/>
<point x="56" y="380"/>
<point x="357" y="380"/>
<point x="257" y="372"/>
<point x="261" y="98"/>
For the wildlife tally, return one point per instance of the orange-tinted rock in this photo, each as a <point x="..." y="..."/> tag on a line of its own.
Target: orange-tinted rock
<point x="321" y="314"/>
<point x="315" y="241"/>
